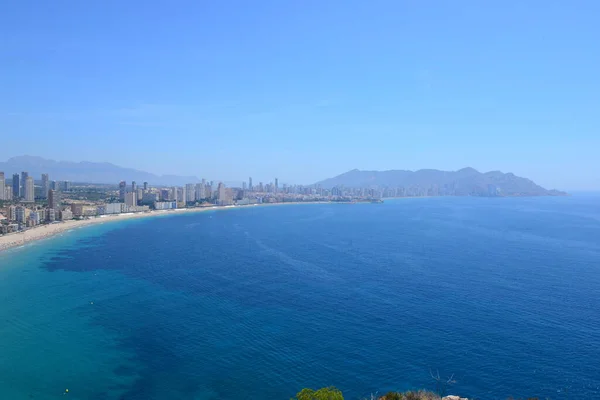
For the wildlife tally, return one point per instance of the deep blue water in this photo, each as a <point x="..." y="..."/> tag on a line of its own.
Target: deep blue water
<point x="257" y="303"/>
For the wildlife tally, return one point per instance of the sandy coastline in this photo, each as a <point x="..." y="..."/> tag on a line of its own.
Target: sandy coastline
<point x="45" y="231"/>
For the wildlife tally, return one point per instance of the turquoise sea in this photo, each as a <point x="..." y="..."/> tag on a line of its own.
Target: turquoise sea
<point x="259" y="302"/>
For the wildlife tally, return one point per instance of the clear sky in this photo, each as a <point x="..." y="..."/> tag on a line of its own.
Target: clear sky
<point x="304" y="90"/>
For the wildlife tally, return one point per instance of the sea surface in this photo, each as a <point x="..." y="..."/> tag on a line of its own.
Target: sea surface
<point x="260" y="302"/>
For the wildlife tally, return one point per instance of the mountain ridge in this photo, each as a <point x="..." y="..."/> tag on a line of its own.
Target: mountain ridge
<point x="463" y="182"/>
<point x="87" y="171"/>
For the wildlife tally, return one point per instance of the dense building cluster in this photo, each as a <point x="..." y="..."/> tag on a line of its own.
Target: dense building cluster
<point x="25" y="203"/>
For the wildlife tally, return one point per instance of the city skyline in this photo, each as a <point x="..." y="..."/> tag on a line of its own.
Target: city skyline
<point x="38" y="162"/>
<point x="307" y="90"/>
<point x="61" y="201"/>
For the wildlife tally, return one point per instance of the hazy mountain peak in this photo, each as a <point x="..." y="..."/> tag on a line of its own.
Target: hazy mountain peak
<point x="467" y="170"/>
<point x="466" y="181"/>
<point x="87" y="171"/>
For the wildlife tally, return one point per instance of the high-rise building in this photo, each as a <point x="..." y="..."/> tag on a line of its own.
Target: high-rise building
<point x="131" y="199"/>
<point x="190" y="192"/>
<point x="11" y="213"/>
<point x="122" y="190"/>
<point x="8" y="192"/>
<point x="243" y="185"/>
<point x="29" y="190"/>
<point x="250" y="187"/>
<point x="221" y="193"/>
<point x="2" y="189"/>
<point x="133" y="187"/>
<point x="182" y="194"/>
<point x="145" y="186"/>
<point x="174" y="193"/>
<point x="45" y="185"/>
<point x="67" y="186"/>
<point x="149" y="197"/>
<point x="199" y="192"/>
<point x="16" y="185"/>
<point x="53" y="199"/>
<point x="20" y="214"/>
<point x="24" y="176"/>
<point x="276" y="185"/>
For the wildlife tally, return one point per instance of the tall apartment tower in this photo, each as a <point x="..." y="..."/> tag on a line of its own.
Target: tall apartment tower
<point x="24" y="176"/>
<point x="16" y="184"/>
<point x="122" y="190"/>
<point x="53" y="200"/>
<point x="45" y="185"/>
<point x="2" y="189"/>
<point x="29" y="190"/>
<point x="221" y="192"/>
<point x="131" y="199"/>
<point x="190" y="192"/>
<point x="250" y="184"/>
<point x="199" y="195"/>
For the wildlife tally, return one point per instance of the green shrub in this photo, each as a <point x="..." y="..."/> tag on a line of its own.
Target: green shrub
<point x="420" y="395"/>
<point x="329" y="393"/>
<point x="393" y="396"/>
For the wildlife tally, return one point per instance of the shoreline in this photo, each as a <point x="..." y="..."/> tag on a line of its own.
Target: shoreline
<point x="46" y="231"/>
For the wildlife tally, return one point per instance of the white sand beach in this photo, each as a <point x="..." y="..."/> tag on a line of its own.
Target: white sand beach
<point x="45" y="231"/>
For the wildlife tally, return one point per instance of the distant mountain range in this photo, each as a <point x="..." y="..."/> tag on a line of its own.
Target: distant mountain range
<point x="85" y="171"/>
<point x="464" y="182"/>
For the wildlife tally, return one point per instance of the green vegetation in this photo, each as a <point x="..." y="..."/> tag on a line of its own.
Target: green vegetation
<point x="420" y="395"/>
<point x="329" y="393"/>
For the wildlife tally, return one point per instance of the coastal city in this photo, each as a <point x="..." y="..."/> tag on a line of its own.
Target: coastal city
<point x="26" y="202"/>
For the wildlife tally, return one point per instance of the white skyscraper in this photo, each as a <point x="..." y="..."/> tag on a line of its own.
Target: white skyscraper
<point x="131" y="199"/>
<point x="29" y="190"/>
<point x="190" y="192"/>
<point x="53" y="199"/>
<point x="2" y="189"/>
<point x="221" y="194"/>
<point x="199" y="195"/>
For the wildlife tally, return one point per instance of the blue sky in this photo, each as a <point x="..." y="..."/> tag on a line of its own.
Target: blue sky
<point x="305" y="90"/>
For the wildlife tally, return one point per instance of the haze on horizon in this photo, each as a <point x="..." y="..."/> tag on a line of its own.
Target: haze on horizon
<point x="305" y="91"/>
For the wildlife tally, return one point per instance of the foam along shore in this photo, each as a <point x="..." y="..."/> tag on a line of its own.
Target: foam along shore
<point x="45" y="231"/>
